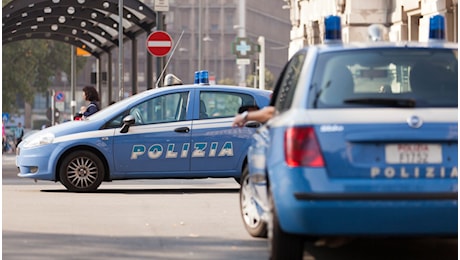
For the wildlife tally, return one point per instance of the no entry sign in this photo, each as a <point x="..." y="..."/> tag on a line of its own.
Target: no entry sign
<point x="159" y="43"/>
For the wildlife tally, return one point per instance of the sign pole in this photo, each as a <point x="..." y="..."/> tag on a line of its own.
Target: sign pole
<point x="160" y="60"/>
<point x="120" y="51"/>
<point x="261" y="41"/>
<point x="73" y="79"/>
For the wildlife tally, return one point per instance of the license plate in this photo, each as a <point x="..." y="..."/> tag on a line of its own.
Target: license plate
<point x="413" y="153"/>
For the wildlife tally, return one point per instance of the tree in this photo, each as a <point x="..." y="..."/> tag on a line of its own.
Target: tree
<point x="227" y="81"/>
<point x="269" y="80"/>
<point x="28" y="67"/>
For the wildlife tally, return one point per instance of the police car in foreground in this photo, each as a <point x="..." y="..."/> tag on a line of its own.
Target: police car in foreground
<point x="171" y="132"/>
<point x="364" y="143"/>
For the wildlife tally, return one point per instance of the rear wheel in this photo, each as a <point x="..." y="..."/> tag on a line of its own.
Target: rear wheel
<point x="251" y="218"/>
<point x="282" y="245"/>
<point x="81" y="171"/>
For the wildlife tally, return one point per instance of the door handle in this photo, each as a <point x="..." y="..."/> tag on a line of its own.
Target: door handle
<point x="253" y="124"/>
<point x="184" y="129"/>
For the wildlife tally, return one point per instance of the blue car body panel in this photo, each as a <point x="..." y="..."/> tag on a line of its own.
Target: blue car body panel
<point x="185" y="148"/>
<point x="362" y="189"/>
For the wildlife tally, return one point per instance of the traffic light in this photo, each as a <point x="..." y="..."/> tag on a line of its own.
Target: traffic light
<point x="254" y="67"/>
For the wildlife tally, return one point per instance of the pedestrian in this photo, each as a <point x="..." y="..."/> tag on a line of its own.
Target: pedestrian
<point x="18" y="134"/>
<point x="90" y="94"/>
<point x="3" y="137"/>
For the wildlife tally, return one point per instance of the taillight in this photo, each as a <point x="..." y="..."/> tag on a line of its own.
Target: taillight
<point x="301" y="148"/>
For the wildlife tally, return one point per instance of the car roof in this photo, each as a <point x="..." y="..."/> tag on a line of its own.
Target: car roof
<point x="382" y="44"/>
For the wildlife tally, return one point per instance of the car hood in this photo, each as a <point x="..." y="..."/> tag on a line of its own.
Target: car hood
<point x="70" y="127"/>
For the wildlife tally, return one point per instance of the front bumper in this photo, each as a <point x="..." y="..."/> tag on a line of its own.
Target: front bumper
<point x="37" y="163"/>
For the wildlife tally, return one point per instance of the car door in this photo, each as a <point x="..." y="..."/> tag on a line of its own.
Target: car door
<point x="218" y="149"/>
<point x="159" y="141"/>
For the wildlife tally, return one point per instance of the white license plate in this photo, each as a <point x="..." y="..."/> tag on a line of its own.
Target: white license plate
<point x="413" y="153"/>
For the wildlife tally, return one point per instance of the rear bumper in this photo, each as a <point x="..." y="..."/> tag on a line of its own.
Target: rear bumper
<point x="309" y="203"/>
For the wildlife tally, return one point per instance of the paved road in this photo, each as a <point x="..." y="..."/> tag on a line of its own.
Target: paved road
<point x="157" y="219"/>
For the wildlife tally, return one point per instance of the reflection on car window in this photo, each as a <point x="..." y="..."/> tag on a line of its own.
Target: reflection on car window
<point x="218" y="104"/>
<point x="366" y="77"/>
<point x="288" y="82"/>
<point x="161" y="109"/>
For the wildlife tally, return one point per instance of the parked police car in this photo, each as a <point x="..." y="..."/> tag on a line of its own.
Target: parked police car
<point x="364" y="143"/>
<point x="171" y="132"/>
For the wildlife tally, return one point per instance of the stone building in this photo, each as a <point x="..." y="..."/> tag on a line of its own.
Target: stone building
<point x="404" y="20"/>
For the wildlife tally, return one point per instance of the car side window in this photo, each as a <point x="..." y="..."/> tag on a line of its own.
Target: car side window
<point x="288" y="82"/>
<point x="219" y="104"/>
<point x="166" y="108"/>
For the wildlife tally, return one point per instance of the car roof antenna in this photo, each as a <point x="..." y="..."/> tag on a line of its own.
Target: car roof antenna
<point x="169" y="59"/>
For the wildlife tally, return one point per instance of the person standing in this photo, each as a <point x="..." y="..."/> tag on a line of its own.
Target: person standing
<point x="90" y="94"/>
<point x="3" y="137"/>
<point x="18" y="134"/>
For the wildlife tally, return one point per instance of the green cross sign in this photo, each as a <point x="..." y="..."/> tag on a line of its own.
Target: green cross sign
<point x="243" y="48"/>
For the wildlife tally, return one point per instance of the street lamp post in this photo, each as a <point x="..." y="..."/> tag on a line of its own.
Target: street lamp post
<point x="242" y="34"/>
<point x="207" y="39"/>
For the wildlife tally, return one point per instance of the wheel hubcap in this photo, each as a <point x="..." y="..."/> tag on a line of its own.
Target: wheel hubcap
<point x="248" y="207"/>
<point x="82" y="172"/>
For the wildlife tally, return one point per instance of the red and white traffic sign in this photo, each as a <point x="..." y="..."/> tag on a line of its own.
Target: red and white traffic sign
<point x="159" y="43"/>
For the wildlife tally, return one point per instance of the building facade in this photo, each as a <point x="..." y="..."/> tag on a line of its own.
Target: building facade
<point x="404" y="20"/>
<point x="208" y="29"/>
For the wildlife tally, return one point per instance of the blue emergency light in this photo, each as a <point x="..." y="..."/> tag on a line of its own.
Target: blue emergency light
<point x="197" y="77"/>
<point x="437" y="27"/>
<point x="333" y="28"/>
<point x="201" y="77"/>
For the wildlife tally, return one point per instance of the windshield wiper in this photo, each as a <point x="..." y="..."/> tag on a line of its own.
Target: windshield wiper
<point x="391" y="102"/>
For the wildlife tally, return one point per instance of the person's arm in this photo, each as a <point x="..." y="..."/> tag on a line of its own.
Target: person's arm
<point x="262" y="115"/>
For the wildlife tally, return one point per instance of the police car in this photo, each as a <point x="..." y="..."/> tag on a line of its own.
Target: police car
<point x="170" y="132"/>
<point x="364" y="143"/>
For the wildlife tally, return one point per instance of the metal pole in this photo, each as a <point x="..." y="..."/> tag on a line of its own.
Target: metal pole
<point x="200" y="33"/>
<point x="120" y="50"/>
<point x="242" y="34"/>
<point x="160" y="60"/>
<point x="53" y="107"/>
<point x="261" y="41"/>
<point x="73" y="73"/>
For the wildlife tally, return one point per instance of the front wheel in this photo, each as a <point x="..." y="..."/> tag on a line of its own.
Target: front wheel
<point x="81" y="171"/>
<point x="282" y="245"/>
<point x="253" y="223"/>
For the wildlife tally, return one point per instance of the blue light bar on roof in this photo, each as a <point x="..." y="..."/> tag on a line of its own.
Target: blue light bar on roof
<point x="333" y="28"/>
<point x="204" y="77"/>
<point x="201" y="77"/>
<point x="197" y="77"/>
<point x="437" y="28"/>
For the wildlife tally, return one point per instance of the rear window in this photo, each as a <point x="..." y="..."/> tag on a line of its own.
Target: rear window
<point x="405" y="77"/>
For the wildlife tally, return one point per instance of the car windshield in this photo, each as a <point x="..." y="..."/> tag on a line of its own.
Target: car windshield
<point x="392" y="77"/>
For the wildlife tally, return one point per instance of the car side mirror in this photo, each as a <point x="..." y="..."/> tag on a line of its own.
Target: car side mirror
<point x="128" y="121"/>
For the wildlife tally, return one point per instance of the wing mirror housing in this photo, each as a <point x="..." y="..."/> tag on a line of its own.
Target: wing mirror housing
<point x="128" y="121"/>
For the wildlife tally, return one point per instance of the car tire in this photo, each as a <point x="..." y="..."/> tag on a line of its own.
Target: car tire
<point x="253" y="222"/>
<point x="81" y="171"/>
<point x="282" y="245"/>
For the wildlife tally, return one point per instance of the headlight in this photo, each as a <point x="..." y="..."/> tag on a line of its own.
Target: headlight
<point x="37" y="140"/>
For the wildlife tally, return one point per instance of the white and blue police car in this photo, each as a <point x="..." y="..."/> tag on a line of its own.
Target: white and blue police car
<point x="363" y="143"/>
<point x="170" y="132"/>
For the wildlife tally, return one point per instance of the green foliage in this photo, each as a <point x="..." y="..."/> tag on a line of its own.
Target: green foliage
<point x="28" y="67"/>
<point x="227" y="81"/>
<point x="269" y="80"/>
